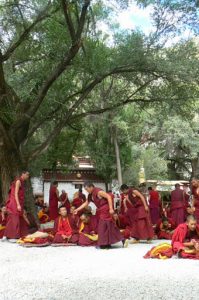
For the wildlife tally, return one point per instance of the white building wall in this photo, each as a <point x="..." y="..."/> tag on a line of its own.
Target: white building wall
<point x="69" y="187"/>
<point x="37" y="185"/>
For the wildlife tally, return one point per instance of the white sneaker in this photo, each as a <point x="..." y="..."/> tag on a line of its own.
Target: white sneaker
<point x="4" y="239"/>
<point x="12" y="240"/>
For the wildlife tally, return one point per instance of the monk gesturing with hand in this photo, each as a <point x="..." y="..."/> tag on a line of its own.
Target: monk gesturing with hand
<point x="108" y="233"/>
<point x="141" y="227"/>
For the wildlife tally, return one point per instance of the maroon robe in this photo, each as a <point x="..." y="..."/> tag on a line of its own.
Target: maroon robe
<point x="124" y="225"/>
<point x="154" y="205"/>
<point x="89" y="228"/>
<point x="141" y="227"/>
<point x="165" y="233"/>
<point x="182" y="235"/>
<point x="16" y="226"/>
<point x="131" y="211"/>
<point x="77" y="202"/>
<point x="53" y="203"/>
<point x="74" y="222"/>
<point x="196" y="203"/>
<point x="65" y="202"/>
<point x="108" y="233"/>
<point x="177" y="206"/>
<point x="62" y="227"/>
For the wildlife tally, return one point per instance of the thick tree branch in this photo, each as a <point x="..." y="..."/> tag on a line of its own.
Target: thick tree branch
<point x="62" y="65"/>
<point x="41" y="16"/>
<point x="71" y="29"/>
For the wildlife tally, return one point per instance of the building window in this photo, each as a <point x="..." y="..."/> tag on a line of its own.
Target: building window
<point x="78" y="186"/>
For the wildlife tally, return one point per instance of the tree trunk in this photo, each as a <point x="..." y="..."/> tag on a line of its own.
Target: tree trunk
<point x="117" y="155"/>
<point x="195" y="167"/>
<point x="172" y="172"/>
<point x="11" y="166"/>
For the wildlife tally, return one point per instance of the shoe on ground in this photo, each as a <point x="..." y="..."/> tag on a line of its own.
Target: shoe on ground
<point x="13" y="241"/>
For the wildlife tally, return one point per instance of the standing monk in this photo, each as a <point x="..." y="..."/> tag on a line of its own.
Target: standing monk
<point x="141" y="227"/>
<point x="177" y="205"/>
<point x="64" y="200"/>
<point x="53" y="201"/>
<point x="154" y="205"/>
<point x="14" y="207"/>
<point x="108" y="233"/>
<point x="195" y="193"/>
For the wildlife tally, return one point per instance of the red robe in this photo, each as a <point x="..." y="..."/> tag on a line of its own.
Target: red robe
<point x="65" y="202"/>
<point x="154" y="205"/>
<point x="131" y="211"/>
<point x="177" y="206"/>
<point x="181" y="235"/>
<point x="196" y="203"/>
<point x="161" y="233"/>
<point x="108" y="233"/>
<point x="87" y="229"/>
<point x="16" y="226"/>
<point x="77" y="202"/>
<point x="141" y="227"/>
<point x="124" y="225"/>
<point x="74" y="222"/>
<point x="62" y="227"/>
<point x="53" y="203"/>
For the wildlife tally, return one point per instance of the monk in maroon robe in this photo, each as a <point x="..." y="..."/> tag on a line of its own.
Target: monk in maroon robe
<point x="154" y="205"/>
<point x="88" y="230"/>
<point x="108" y="233"/>
<point x="177" y="205"/>
<point x="65" y="201"/>
<point x="165" y="228"/>
<point x="74" y="220"/>
<point x="141" y="227"/>
<point x="185" y="240"/>
<point x="30" y="224"/>
<point x="127" y="209"/>
<point x="53" y="201"/>
<point x="63" y="230"/>
<point x="122" y="222"/>
<point x="195" y="193"/>
<point x="14" y="207"/>
<point x="43" y="215"/>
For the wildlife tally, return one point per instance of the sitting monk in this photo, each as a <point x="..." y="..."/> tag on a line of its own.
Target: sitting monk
<point x="64" y="200"/>
<point x="43" y="215"/>
<point x="122" y="222"/>
<point x="3" y="219"/>
<point x="74" y="220"/>
<point x="30" y="222"/>
<point x="185" y="240"/>
<point x="165" y="228"/>
<point x="88" y="230"/>
<point x="62" y="229"/>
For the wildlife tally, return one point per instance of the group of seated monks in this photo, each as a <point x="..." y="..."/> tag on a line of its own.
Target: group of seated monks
<point x="74" y="224"/>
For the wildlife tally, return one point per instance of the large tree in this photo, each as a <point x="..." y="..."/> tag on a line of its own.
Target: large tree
<point x="53" y="61"/>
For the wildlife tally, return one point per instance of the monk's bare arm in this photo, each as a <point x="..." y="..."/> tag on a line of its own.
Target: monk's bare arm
<point x="137" y="193"/>
<point x="17" y="187"/>
<point x="26" y="218"/>
<point x="108" y="197"/>
<point x="188" y="244"/>
<point x="82" y="206"/>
